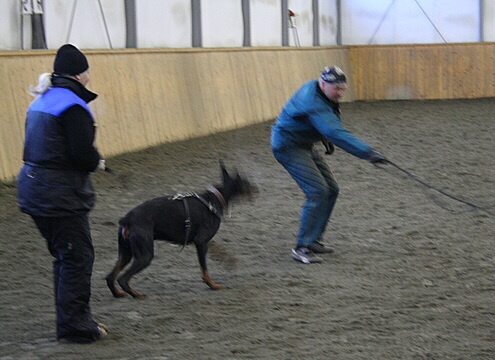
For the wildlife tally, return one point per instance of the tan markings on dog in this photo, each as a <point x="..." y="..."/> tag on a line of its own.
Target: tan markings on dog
<point x="125" y="232"/>
<point x="208" y="281"/>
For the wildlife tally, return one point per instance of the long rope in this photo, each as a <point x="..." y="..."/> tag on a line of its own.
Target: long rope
<point x="388" y="10"/>
<point x="71" y="22"/>
<point x="105" y="23"/>
<point x="443" y="192"/>
<point x="381" y="22"/>
<point x="431" y="22"/>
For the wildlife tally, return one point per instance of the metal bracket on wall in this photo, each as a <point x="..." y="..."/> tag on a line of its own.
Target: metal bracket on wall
<point x="293" y="27"/>
<point x="33" y="9"/>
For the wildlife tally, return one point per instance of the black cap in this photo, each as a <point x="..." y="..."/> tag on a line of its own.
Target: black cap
<point x="333" y="75"/>
<point x="70" y="61"/>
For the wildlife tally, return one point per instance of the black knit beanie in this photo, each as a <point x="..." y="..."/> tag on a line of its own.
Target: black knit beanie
<point x="69" y="61"/>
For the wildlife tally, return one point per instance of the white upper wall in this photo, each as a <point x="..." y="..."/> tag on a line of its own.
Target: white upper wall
<point x="168" y="23"/>
<point x="162" y="23"/>
<point x="266" y="22"/>
<point x="328" y="22"/>
<point x="88" y="23"/>
<point x="221" y="23"/>
<point x="409" y="22"/>
<point x="488" y="15"/>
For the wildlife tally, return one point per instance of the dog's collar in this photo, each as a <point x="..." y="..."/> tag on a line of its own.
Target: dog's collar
<point x="219" y="195"/>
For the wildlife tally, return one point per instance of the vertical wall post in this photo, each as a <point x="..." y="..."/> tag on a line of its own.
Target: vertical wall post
<point x="482" y="21"/>
<point x="196" y="23"/>
<point x="339" y="22"/>
<point x="316" y="23"/>
<point x="130" y="24"/>
<point x="285" y="23"/>
<point x="246" y="20"/>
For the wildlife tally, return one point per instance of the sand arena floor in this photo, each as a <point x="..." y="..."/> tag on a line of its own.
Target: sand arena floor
<point x="412" y="276"/>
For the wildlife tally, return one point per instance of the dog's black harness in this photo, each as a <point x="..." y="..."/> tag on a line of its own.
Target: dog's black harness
<point x="209" y="205"/>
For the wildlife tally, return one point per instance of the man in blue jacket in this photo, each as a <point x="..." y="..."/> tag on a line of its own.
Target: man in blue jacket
<point x="310" y="116"/>
<point x="54" y="186"/>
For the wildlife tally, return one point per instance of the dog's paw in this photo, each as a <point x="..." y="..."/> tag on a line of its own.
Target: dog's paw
<point x="214" y="286"/>
<point x="119" y="294"/>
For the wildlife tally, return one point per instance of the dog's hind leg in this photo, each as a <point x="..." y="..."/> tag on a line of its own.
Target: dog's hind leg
<point x="202" y="249"/>
<point x="125" y="255"/>
<point x="142" y="251"/>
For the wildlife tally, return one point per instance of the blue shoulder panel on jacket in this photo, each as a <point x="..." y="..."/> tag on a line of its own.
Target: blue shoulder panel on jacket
<point x="56" y="100"/>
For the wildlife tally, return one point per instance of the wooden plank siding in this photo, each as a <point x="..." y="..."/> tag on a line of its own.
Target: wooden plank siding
<point x="421" y="72"/>
<point x="153" y="96"/>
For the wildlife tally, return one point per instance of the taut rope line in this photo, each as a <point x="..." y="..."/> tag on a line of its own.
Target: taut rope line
<point x="443" y="192"/>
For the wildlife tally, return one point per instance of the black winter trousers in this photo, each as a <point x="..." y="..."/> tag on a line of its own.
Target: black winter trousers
<point x="69" y="242"/>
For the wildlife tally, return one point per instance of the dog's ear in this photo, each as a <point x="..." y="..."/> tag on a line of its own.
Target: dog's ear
<point x="225" y="174"/>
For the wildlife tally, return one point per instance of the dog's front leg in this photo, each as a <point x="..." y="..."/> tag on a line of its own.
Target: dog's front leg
<point x="202" y="249"/>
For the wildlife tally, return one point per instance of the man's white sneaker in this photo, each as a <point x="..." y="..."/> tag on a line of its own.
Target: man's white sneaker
<point x="305" y="256"/>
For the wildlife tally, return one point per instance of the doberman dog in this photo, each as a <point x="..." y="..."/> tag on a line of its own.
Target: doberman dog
<point x="181" y="219"/>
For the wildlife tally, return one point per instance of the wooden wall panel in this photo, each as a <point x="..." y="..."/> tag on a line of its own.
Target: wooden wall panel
<point x="148" y="97"/>
<point x="439" y="71"/>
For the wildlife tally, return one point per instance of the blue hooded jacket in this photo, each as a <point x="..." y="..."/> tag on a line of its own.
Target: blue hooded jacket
<point x="309" y="117"/>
